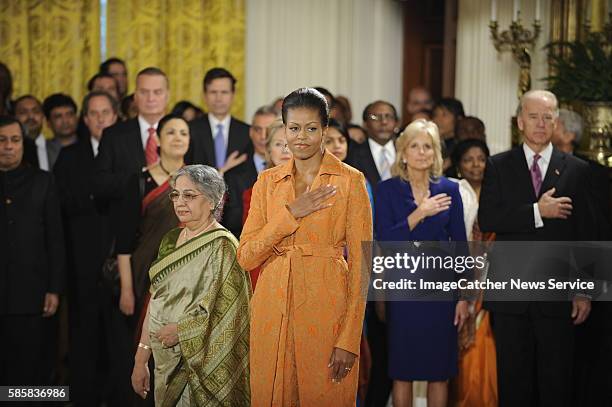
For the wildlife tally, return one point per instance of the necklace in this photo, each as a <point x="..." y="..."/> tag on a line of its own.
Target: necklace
<point x="198" y="233"/>
<point x="162" y="167"/>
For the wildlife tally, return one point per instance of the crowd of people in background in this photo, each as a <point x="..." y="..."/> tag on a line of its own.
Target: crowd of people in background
<point x="89" y="242"/>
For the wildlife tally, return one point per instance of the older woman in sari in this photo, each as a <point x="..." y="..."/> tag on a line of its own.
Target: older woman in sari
<point x="197" y="321"/>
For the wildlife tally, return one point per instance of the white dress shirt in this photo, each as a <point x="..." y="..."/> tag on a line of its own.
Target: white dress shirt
<point x="213" y="126"/>
<point x="41" y="152"/>
<point x="144" y="130"/>
<point x="543" y="164"/>
<point x="94" y="145"/>
<point x="377" y="151"/>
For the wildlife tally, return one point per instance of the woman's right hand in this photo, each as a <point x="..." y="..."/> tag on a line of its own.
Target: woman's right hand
<point x="127" y="301"/>
<point x="312" y="201"/>
<point x="433" y="205"/>
<point x="140" y="379"/>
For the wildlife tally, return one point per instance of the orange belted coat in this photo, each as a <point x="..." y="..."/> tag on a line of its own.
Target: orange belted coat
<point x="308" y="298"/>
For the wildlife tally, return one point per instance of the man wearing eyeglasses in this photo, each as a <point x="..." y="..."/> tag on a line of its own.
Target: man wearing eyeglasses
<point x="375" y="157"/>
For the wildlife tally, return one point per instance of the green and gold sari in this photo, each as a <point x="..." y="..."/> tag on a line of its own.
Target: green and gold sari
<point x="201" y="287"/>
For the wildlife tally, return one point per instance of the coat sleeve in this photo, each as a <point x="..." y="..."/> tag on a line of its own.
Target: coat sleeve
<point x="358" y="231"/>
<point x="494" y="212"/>
<point x="387" y="227"/>
<point x="259" y="234"/>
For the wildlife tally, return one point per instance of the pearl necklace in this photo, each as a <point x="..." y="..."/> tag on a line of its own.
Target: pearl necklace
<point x="198" y="233"/>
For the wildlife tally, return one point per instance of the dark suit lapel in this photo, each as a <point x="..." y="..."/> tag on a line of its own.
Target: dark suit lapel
<point x="370" y="164"/>
<point x="523" y="176"/>
<point x="232" y="142"/>
<point x="209" y="145"/>
<point x="136" y="142"/>
<point x="554" y="171"/>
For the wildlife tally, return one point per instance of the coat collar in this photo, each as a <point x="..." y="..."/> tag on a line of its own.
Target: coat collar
<point x="329" y="165"/>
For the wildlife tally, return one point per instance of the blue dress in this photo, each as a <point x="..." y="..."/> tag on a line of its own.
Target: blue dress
<point x="421" y="336"/>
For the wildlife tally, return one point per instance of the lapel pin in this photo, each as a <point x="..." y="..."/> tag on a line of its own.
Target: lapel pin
<point x="557" y="172"/>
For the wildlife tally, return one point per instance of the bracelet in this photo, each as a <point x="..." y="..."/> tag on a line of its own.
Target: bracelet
<point x="143" y="346"/>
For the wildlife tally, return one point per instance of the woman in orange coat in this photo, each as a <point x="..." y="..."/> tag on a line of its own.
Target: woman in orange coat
<point x="307" y="311"/>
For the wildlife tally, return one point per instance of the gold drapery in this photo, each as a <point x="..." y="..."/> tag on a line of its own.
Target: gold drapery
<point x="184" y="38"/>
<point x="50" y="45"/>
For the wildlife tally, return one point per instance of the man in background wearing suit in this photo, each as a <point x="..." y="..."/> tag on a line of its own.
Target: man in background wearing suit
<point x="374" y="158"/>
<point x="244" y="176"/>
<point x="88" y="242"/>
<point x="535" y="192"/>
<point x="28" y="110"/>
<point x="124" y="150"/>
<point x="32" y="269"/>
<point x="218" y="139"/>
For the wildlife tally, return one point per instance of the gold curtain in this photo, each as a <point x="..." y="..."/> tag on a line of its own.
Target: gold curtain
<point x="184" y="38"/>
<point x="50" y="45"/>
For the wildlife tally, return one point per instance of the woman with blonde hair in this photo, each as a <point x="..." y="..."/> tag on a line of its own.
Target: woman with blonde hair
<point x="419" y="204"/>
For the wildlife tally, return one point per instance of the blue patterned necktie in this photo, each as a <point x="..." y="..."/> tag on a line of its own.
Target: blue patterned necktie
<point x="219" y="146"/>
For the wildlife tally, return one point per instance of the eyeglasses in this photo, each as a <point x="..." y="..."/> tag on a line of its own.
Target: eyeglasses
<point x="187" y="196"/>
<point x="382" y="116"/>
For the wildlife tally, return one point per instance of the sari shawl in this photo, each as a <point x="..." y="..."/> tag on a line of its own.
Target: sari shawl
<point x="201" y="287"/>
<point x="157" y="218"/>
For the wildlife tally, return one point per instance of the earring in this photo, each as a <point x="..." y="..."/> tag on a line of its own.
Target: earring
<point x="459" y="173"/>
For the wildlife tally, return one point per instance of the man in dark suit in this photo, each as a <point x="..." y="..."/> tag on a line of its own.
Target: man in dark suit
<point x="125" y="149"/>
<point x="218" y="139"/>
<point x="88" y="241"/>
<point x="32" y="267"/>
<point x="535" y="192"/>
<point x="28" y="110"/>
<point x="374" y="158"/>
<point x="244" y="176"/>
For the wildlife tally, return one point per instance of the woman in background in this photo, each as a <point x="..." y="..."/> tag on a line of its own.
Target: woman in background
<point x="476" y="383"/>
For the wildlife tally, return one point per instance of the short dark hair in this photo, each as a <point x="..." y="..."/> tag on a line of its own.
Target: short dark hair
<point x="96" y="93"/>
<point x="8" y="120"/>
<point x="125" y="104"/>
<point x="333" y="123"/>
<point x="265" y="110"/>
<point x="463" y="146"/>
<point x="90" y="83"/>
<point x="308" y="98"/>
<point x="166" y="119"/>
<point x="180" y="107"/>
<point x="25" y="97"/>
<point x="152" y="71"/>
<point x="452" y="105"/>
<point x="6" y="82"/>
<point x="105" y="66"/>
<point x="57" y="100"/>
<point x="218" y="73"/>
<point x="366" y="110"/>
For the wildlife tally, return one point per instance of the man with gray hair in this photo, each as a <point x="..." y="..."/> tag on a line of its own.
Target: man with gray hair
<point x="535" y="192"/>
<point x="566" y="136"/>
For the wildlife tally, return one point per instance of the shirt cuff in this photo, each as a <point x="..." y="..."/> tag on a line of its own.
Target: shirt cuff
<point x="539" y="223"/>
